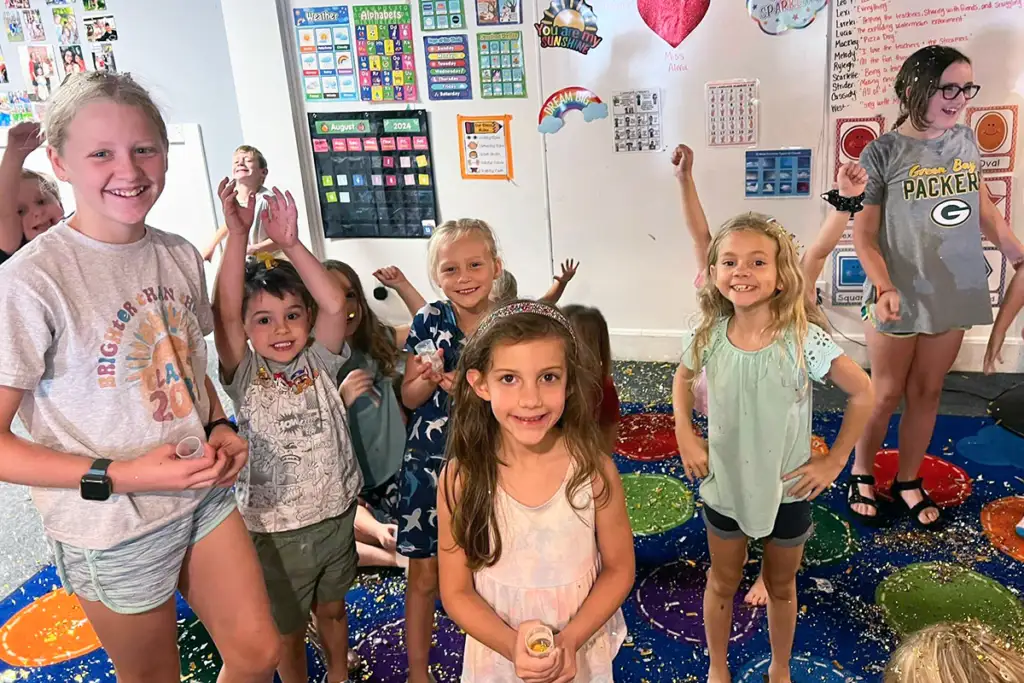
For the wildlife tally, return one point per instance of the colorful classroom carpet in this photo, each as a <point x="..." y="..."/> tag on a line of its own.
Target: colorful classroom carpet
<point x="860" y="589"/>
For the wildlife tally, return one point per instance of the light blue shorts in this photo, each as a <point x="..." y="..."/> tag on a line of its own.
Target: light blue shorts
<point x="142" y="574"/>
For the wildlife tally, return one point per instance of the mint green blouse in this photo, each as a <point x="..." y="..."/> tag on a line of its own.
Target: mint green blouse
<point x="759" y="422"/>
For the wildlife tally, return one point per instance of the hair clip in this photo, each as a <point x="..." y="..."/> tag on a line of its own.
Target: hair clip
<point x="526" y="306"/>
<point x="267" y="259"/>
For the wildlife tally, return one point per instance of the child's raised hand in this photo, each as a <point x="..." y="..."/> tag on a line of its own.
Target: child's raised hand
<point x="531" y="668"/>
<point x="237" y="218"/>
<point x="568" y="271"/>
<point x="390" y="276"/>
<point x="852" y="180"/>
<point x="682" y="160"/>
<point x="25" y="138"/>
<point x="694" y="454"/>
<point x="281" y="219"/>
<point x="815" y="476"/>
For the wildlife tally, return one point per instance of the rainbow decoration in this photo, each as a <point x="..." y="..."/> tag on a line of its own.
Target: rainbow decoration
<point x="554" y="109"/>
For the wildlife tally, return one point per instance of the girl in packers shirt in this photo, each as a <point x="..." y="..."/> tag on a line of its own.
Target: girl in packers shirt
<point x="919" y="241"/>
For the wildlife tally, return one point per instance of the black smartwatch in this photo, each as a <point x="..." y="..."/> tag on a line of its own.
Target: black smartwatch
<point x="96" y="484"/>
<point x="218" y="422"/>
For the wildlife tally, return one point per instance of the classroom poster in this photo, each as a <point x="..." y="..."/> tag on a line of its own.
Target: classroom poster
<point x="65" y="25"/>
<point x="442" y="15"/>
<point x="497" y="12"/>
<point x="485" y="147"/>
<point x="853" y="134"/>
<point x="14" y="28"/>
<point x="447" y="59"/>
<point x="848" y="277"/>
<point x="996" y="269"/>
<point x="375" y="173"/>
<point x="501" y="64"/>
<point x="777" y="173"/>
<point x="636" y="121"/>
<point x="387" y="65"/>
<point x="995" y="131"/>
<point x="732" y="108"/>
<point x="324" y="36"/>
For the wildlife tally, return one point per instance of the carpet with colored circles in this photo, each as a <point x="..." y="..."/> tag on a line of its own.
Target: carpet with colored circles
<point x="859" y="591"/>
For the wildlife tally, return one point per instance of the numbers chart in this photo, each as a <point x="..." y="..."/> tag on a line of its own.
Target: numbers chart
<point x="501" y="64"/>
<point x="387" y="67"/>
<point x="375" y="173"/>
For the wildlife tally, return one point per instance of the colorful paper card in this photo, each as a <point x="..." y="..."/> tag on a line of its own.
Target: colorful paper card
<point x="847" y="277"/>
<point x="384" y="51"/>
<point x="777" y="173"/>
<point x="485" y="147"/>
<point x="732" y="112"/>
<point x="442" y="15"/>
<point x="324" y="36"/>
<point x="995" y="131"/>
<point x="502" y="72"/>
<point x="853" y="135"/>
<point x="447" y="59"/>
<point x="636" y="121"/>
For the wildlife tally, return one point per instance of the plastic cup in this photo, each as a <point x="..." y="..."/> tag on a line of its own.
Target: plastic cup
<point x="540" y="641"/>
<point x="189" y="447"/>
<point x="428" y="351"/>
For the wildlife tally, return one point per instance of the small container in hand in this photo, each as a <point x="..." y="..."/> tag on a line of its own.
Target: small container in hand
<point x="189" y="447"/>
<point x="540" y="641"/>
<point x="428" y="351"/>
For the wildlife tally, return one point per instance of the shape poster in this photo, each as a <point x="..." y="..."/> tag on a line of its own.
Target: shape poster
<point x="442" y="15"/>
<point x="501" y="64"/>
<point x="485" y="147"/>
<point x="995" y="130"/>
<point x="637" y="120"/>
<point x="732" y="108"/>
<point x="995" y="268"/>
<point x="1000" y="191"/>
<point x="497" y="12"/>
<point x="853" y="135"/>
<point x="447" y="59"/>
<point x="387" y="67"/>
<point x="324" y="36"/>
<point x="847" y="277"/>
<point x="778" y="173"/>
<point x="375" y="173"/>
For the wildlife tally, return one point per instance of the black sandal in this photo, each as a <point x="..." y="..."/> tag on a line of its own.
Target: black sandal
<point x="915" y="512"/>
<point x="855" y="497"/>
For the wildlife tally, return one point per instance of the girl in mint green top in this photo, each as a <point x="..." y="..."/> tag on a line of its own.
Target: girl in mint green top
<point x="760" y="347"/>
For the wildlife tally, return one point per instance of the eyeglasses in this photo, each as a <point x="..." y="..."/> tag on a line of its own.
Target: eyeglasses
<point x="950" y="92"/>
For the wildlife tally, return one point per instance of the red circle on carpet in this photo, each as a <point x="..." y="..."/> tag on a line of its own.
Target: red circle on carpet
<point x="946" y="484"/>
<point x="648" y="436"/>
<point x="999" y="521"/>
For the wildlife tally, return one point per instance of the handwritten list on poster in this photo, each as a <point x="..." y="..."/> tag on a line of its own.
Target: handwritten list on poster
<point x="872" y="38"/>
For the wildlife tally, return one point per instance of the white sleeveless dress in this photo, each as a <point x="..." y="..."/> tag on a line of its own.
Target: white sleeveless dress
<point x="549" y="562"/>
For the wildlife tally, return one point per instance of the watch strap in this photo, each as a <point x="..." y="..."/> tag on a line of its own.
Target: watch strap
<point x="218" y="422"/>
<point x="98" y="468"/>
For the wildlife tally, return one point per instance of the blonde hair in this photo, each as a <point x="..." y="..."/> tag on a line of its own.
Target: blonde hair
<point x="955" y="653"/>
<point x="47" y="183"/>
<point x="258" y="155"/>
<point x="505" y="288"/>
<point x="81" y="89"/>
<point x="451" y="231"/>
<point x="788" y="306"/>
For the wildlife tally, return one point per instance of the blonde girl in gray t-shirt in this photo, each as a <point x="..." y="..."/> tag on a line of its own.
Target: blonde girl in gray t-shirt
<point x="760" y="346"/>
<point x="919" y="241"/>
<point x="103" y="358"/>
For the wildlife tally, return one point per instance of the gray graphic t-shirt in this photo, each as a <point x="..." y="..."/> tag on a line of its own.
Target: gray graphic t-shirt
<point x="301" y="468"/>
<point x="930" y="235"/>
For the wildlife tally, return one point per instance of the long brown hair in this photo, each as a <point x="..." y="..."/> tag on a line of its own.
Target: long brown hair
<point x="372" y="337"/>
<point x="474" y="436"/>
<point x="592" y="331"/>
<point x="788" y="307"/>
<point x="918" y="79"/>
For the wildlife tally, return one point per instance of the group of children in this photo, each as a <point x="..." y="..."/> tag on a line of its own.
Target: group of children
<point x="480" y="434"/>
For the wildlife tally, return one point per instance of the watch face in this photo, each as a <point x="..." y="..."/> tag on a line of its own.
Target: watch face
<point x="95" y="489"/>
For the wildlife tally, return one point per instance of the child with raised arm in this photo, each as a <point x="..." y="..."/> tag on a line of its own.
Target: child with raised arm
<point x="103" y="357"/>
<point x="463" y="261"/>
<point x="533" y="529"/>
<point x="760" y="348"/>
<point x="298" y="496"/>
<point x="32" y="200"/>
<point x="507" y="289"/>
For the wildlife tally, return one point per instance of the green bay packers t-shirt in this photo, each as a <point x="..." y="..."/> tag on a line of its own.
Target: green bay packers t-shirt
<point x="930" y="236"/>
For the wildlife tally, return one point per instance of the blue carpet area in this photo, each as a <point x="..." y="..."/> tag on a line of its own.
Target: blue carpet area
<point x="842" y="633"/>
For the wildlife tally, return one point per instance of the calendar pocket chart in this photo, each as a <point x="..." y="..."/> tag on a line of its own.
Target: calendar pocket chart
<point x="384" y="50"/>
<point x="375" y="173"/>
<point x="501" y="64"/>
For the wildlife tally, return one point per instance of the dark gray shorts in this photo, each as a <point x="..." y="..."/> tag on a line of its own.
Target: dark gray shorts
<point x="793" y="525"/>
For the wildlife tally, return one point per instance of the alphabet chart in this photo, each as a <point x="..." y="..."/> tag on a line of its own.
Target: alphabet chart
<point x="387" y="67"/>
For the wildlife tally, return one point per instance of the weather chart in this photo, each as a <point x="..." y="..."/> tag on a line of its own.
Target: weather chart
<point x="375" y="173"/>
<point x="387" y="65"/>
<point x="324" y="38"/>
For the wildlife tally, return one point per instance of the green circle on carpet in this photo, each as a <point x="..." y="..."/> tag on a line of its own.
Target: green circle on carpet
<point x="656" y="503"/>
<point x="833" y="539"/>
<point x="928" y="593"/>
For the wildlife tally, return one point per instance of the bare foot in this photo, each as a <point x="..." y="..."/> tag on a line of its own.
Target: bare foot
<point x="757" y="596"/>
<point x="912" y="498"/>
<point x="778" y="674"/>
<point x="719" y="675"/>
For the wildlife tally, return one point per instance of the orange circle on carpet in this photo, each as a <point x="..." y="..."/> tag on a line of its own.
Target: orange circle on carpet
<point x="946" y="484"/>
<point x="52" y="629"/>
<point x="999" y="521"/>
<point x="648" y="436"/>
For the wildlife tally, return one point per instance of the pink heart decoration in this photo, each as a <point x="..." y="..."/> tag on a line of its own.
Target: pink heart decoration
<point x="673" y="20"/>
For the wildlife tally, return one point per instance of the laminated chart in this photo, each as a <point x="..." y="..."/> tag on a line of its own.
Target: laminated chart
<point x="324" y="36"/>
<point x="387" y="66"/>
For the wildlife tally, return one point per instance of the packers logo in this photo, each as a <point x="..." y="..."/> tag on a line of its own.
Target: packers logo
<point x="951" y="213"/>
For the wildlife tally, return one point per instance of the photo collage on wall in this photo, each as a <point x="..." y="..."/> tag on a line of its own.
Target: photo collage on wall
<point x="45" y="43"/>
